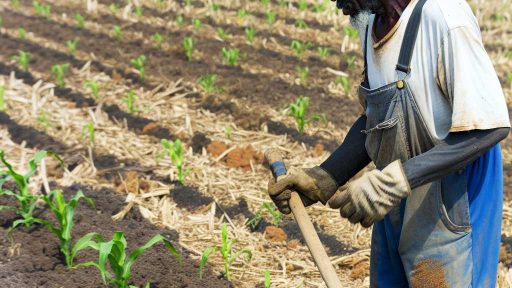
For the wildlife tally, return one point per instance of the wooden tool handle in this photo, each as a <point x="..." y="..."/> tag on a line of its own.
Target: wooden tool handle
<point x="307" y="229"/>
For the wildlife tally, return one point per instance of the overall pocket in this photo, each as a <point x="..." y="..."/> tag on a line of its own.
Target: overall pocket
<point x="453" y="203"/>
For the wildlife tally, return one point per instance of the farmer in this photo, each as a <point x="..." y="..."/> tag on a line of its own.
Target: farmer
<point x="434" y="114"/>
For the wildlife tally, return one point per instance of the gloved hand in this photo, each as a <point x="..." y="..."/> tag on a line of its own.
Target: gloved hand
<point x="368" y="199"/>
<point x="313" y="185"/>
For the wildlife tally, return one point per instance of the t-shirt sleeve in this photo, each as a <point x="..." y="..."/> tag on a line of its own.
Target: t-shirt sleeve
<point x="467" y="78"/>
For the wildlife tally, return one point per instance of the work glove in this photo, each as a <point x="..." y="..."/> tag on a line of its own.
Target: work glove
<point x="368" y="199"/>
<point x="313" y="185"/>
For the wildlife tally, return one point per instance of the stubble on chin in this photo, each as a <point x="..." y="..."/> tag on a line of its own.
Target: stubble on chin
<point x="360" y="21"/>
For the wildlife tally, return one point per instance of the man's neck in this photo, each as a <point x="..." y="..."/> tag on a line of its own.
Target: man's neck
<point x="388" y="16"/>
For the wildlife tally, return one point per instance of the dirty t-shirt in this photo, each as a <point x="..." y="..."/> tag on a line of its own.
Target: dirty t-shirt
<point x="452" y="77"/>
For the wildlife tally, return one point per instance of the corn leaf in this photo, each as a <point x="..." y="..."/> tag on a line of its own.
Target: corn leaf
<point x="205" y="256"/>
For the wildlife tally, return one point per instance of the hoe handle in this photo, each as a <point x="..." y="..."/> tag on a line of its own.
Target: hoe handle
<point x="306" y="227"/>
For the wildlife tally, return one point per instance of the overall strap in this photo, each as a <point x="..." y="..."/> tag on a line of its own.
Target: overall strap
<point x="411" y="33"/>
<point x="366" y="82"/>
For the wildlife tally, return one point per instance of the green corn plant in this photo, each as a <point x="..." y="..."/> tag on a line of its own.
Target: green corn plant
<point x="64" y="213"/>
<point x="94" y="87"/>
<point x="179" y="20"/>
<point x="80" y="21"/>
<point x="271" y="209"/>
<point x="58" y="71"/>
<point x="351" y="32"/>
<point x="72" y="44"/>
<point x="351" y="62"/>
<point x="227" y="252"/>
<point x="323" y="52"/>
<point x="303" y="73"/>
<point x="301" y="24"/>
<point x="250" y="34"/>
<point x="197" y="23"/>
<point x="508" y="54"/>
<point x="300" y="47"/>
<point x="222" y="33"/>
<point x="271" y="17"/>
<point x="207" y="83"/>
<point x="175" y="152"/>
<point x="282" y="3"/>
<point x="15" y="4"/>
<point x="23" y="60"/>
<point x="344" y="82"/>
<point x="231" y="55"/>
<point x="265" y="2"/>
<point x="114" y="251"/>
<point x="22" y="33"/>
<point x="299" y="109"/>
<point x="188" y="2"/>
<point x="228" y="131"/>
<point x="242" y="13"/>
<point x="118" y="32"/>
<point x="158" y="39"/>
<point x="129" y="100"/>
<point x="41" y="9"/>
<point x="26" y="201"/>
<point x="138" y="64"/>
<point x="303" y="5"/>
<point x="215" y="7"/>
<point x="2" y="92"/>
<point x="88" y="131"/>
<point x="43" y="119"/>
<point x="137" y="10"/>
<point x="1" y="22"/>
<point x="189" y="46"/>
<point x="319" y="7"/>
<point x="114" y="8"/>
<point x="266" y="283"/>
<point x="509" y="78"/>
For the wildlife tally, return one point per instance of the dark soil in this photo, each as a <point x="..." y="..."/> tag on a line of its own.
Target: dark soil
<point x="37" y="262"/>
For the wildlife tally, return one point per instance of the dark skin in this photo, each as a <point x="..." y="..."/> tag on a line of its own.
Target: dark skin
<point x="387" y="12"/>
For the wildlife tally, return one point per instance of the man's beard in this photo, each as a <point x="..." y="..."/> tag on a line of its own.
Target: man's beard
<point x="360" y="21"/>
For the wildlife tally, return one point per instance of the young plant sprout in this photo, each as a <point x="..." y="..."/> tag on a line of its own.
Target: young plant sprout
<point x="80" y="21"/>
<point x="266" y="283"/>
<point x="26" y="201"/>
<point x="179" y="20"/>
<point x="197" y="23"/>
<point x="22" y="33"/>
<point x="319" y="7"/>
<point x="23" y="60"/>
<point x="72" y="46"/>
<point x="114" y="8"/>
<point x="222" y="33"/>
<point x="2" y="92"/>
<point x="188" y="2"/>
<point x="188" y="45"/>
<point x="88" y="131"/>
<point x="129" y="100"/>
<point x="176" y="154"/>
<point x="114" y="251"/>
<point x="138" y="64"/>
<point x="41" y="9"/>
<point x="58" y="71"/>
<point x="64" y="213"/>
<point x="1" y="22"/>
<point x="137" y="10"/>
<point x="118" y="32"/>
<point x="93" y="86"/>
<point x="351" y="32"/>
<point x="15" y="4"/>
<point x="300" y="47"/>
<point x="344" y="82"/>
<point x="351" y="62"/>
<point x="301" y="24"/>
<point x="271" y="209"/>
<point x="270" y="16"/>
<point x="250" y="34"/>
<point x="509" y="78"/>
<point x="265" y="2"/>
<point x="299" y="109"/>
<point x="228" y="131"/>
<point x="227" y="252"/>
<point x="207" y="83"/>
<point x="158" y="39"/>
<point x="231" y="55"/>
<point x="43" y="119"/>
<point x="303" y="5"/>
<point x="303" y="73"/>
<point x="242" y="13"/>
<point x="323" y="52"/>
<point x="215" y="7"/>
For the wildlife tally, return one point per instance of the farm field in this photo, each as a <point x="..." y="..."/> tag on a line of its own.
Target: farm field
<point x="111" y="86"/>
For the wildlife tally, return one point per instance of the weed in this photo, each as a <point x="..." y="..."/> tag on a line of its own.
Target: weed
<point x="22" y="33"/>
<point x="158" y="39"/>
<point x="118" y="32"/>
<point x="323" y="52"/>
<point x="2" y="93"/>
<point x="137" y="10"/>
<point x="207" y="83"/>
<point x="138" y="64"/>
<point x="88" y="131"/>
<point x="197" y="23"/>
<point x="344" y="82"/>
<point x="120" y="263"/>
<point x="94" y="87"/>
<point x="301" y="24"/>
<point x="303" y="73"/>
<point x="23" y="60"/>
<point x="351" y="32"/>
<point x="176" y="154"/>
<point x="299" y="109"/>
<point x="270" y="208"/>
<point x="26" y="201"/>
<point x="129" y="100"/>
<point x="266" y="283"/>
<point x="64" y="212"/>
<point x="226" y="250"/>
<point x="72" y="46"/>
<point x="250" y="33"/>
<point x="300" y="47"/>
<point x="58" y="71"/>
<point x="114" y="8"/>
<point x="189" y="46"/>
<point x="231" y="55"/>
<point x="303" y="5"/>
<point x="222" y="33"/>
<point x="80" y="21"/>
<point x="41" y="9"/>
<point x="271" y="16"/>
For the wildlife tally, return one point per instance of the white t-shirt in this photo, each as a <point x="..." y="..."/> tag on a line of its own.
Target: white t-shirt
<point x="452" y="77"/>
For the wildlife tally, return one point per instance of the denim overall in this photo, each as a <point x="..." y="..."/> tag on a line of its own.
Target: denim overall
<point x="433" y="224"/>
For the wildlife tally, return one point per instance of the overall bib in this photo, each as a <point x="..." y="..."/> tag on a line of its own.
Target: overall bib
<point x="433" y="224"/>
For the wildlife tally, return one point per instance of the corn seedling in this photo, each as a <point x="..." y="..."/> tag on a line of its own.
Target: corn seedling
<point x="351" y="32"/>
<point x="64" y="213"/>
<point x="303" y="73"/>
<point x="323" y="52"/>
<point x="509" y="78"/>
<point x="114" y="8"/>
<point x="137" y="10"/>
<point x="299" y="109"/>
<point x="22" y="33"/>
<point x="301" y="24"/>
<point x="188" y="2"/>
<point x="271" y="209"/>
<point x="1" y="22"/>
<point x="207" y="83"/>
<point x="93" y="86"/>
<point x="176" y="154"/>
<point x="266" y="283"/>
<point x="197" y="23"/>
<point x="231" y="55"/>
<point x="265" y="2"/>
<point x="270" y="16"/>
<point x="282" y="3"/>
<point x="41" y="9"/>
<point x="2" y="93"/>
<point x="26" y="201"/>
<point x="319" y="7"/>
<point x="58" y="71"/>
<point x="129" y="100"/>
<point x="23" y="60"/>
<point x="303" y="5"/>
<point x="351" y="62"/>
<point x="158" y="39"/>
<point x="80" y="21"/>
<point x="226" y="250"/>
<point x="250" y="34"/>
<point x="88" y="131"/>
<point x="215" y="7"/>
<point x="15" y="4"/>
<point x="300" y="47"/>
<point x="188" y="45"/>
<point x="118" y="32"/>
<point x="72" y="46"/>
<point x="114" y="251"/>
<point x="138" y="64"/>
<point x="43" y="119"/>
<point x="222" y="33"/>
<point x="179" y="20"/>
<point x="242" y="13"/>
<point x="344" y="82"/>
<point x="228" y="131"/>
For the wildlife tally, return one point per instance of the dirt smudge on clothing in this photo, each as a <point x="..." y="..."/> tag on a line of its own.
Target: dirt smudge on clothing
<point x="429" y="274"/>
